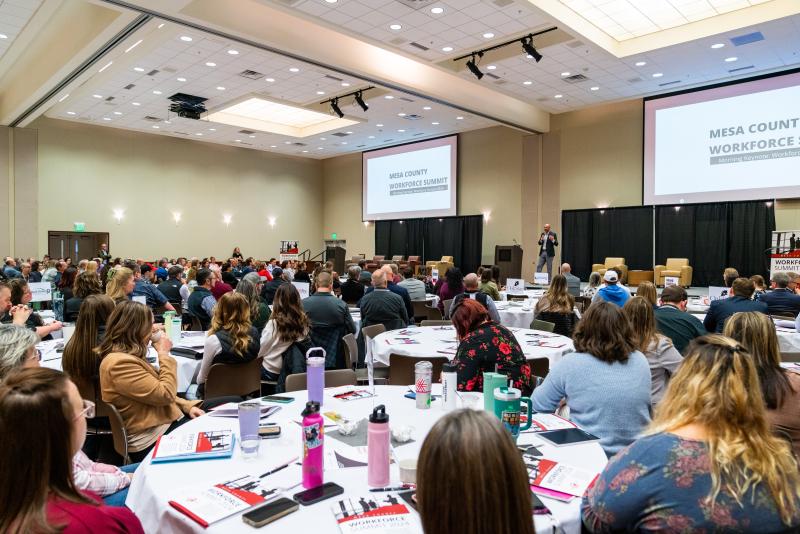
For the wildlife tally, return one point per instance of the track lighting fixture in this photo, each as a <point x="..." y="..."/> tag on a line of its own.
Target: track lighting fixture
<point x="527" y="46"/>
<point x="357" y="95"/>
<point x="335" y="107"/>
<point x="472" y="65"/>
<point x="360" y="101"/>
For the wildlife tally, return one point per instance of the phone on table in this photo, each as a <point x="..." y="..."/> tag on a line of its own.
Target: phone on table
<point x="269" y="432"/>
<point x="270" y="512"/>
<point x="320" y="493"/>
<point x="278" y="398"/>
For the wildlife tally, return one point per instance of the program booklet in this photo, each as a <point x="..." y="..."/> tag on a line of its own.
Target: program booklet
<point x="180" y="446"/>
<point x="557" y="477"/>
<point x="542" y="422"/>
<point x="231" y="409"/>
<point x="377" y="512"/>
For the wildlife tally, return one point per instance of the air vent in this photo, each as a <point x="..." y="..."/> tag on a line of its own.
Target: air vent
<point x="542" y="99"/>
<point x="110" y="98"/>
<point x="171" y="70"/>
<point x="397" y="41"/>
<point x="665" y="84"/>
<point x="299" y="144"/>
<point x="152" y="119"/>
<point x="500" y="82"/>
<point x="417" y="45"/>
<point x="341" y="134"/>
<point x="246" y="132"/>
<point x="181" y="133"/>
<point x="413" y="117"/>
<point x="416" y="4"/>
<point x="741" y="69"/>
<point x="575" y="44"/>
<point x="418" y="133"/>
<point x="250" y="74"/>
<point x="130" y="86"/>
<point x="360" y="146"/>
<point x="747" y="38"/>
<point x="503" y="3"/>
<point x="334" y="78"/>
<point x="405" y="99"/>
<point x="635" y="80"/>
<point x="153" y="72"/>
<point x="575" y="78"/>
<point x="493" y="76"/>
<point x="388" y="140"/>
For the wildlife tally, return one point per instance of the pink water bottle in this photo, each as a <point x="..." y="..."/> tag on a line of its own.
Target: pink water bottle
<point x="313" y="429"/>
<point x="378" y="448"/>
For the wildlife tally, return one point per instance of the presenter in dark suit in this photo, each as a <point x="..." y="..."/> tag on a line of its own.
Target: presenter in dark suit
<point x="781" y="300"/>
<point x="548" y="241"/>
<point x="739" y="301"/>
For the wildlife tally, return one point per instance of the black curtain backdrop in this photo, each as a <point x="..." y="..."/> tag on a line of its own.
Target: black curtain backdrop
<point x="460" y="237"/>
<point x="712" y="236"/>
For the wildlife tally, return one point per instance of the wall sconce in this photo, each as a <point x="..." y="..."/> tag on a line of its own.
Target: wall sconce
<point x="176" y="216"/>
<point x="272" y="221"/>
<point x="118" y="214"/>
<point x="486" y="216"/>
<point x="227" y="219"/>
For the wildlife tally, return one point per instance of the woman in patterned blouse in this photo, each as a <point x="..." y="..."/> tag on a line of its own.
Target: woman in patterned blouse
<point x="708" y="462"/>
<point x="484" y="346"/>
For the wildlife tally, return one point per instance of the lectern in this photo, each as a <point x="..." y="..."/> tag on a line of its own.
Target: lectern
<point x="509" y="259"/>
<point x="335" y="251"/>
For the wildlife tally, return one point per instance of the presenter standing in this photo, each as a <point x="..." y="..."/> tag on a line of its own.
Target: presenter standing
<point x="548" y="242"/>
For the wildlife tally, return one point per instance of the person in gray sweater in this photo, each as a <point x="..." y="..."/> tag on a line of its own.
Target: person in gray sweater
<point x="605" y="383"/>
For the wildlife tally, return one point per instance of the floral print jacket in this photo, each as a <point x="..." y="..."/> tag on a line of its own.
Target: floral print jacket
<point x="488" y="346"/>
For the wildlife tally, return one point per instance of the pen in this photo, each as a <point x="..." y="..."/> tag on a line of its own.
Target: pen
<point x="396" y="488"/>
<point x="280" y="467"/>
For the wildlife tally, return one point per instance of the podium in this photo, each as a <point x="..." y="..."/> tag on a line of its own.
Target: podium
<point x="509" y="259"/>
<point x="335" y="251"/>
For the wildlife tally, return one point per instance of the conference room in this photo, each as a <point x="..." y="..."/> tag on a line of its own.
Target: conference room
<point x="418" y="266"/>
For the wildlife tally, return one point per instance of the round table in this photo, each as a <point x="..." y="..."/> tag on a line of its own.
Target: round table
<point x="529" y="293"/>
<point x="154" y="485"/>
<point x="516" y="314"/>
<point x="788" y="338"/>
<point x="440" y="341"/>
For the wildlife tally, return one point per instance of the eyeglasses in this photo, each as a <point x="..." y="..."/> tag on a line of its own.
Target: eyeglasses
<point x="88" y="410"/>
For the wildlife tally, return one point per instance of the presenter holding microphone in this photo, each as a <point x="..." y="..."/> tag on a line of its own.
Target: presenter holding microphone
<point x="548" y="242"/>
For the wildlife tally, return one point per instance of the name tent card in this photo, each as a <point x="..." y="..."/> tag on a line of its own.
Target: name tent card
<point x="671" y="281"/>
<point x="541" y="279"/>
<point x="516" y="286"/>
<point x="40" y="291"/>
<point x="302" y="288"/>
<point x="717" y="293"/>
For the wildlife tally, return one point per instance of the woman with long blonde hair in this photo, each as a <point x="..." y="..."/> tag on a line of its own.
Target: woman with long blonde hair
<point x="648" y="291"/>
<point x="556" y="306"/>
<point x="232" y="338"/>
<point x="708" y="462"/>
<point x="121" y="285"/>
<point x="780" y="387"/>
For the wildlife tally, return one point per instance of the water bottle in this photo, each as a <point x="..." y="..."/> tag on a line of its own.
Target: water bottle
<point x="423" y="372"/>
<point x="378" y="448"/>
<point x="58" y="305"/>
<point x="313" y="429"/>
<point x="315" y="375"/>
<point x="449" y="382"/>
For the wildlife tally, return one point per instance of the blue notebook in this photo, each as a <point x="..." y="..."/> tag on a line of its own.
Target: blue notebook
<point x="182" y="446"/>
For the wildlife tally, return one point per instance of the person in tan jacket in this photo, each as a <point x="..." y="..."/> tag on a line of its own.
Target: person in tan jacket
<point x="145" y="395"/>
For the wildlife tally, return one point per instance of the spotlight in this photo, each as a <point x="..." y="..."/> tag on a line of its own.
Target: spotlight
<point x="335" y="107"/>
<point x="527" y="46"/>
<point x="360" y="101"/>
<point x="473" y="66"/>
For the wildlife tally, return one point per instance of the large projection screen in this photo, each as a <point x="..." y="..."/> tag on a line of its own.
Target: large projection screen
<point x="410" y="181"/>
<point x="734" y="142"/>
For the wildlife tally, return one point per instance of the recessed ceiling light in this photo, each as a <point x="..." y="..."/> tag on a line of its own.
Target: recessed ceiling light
<point x="565" y="73"/>
<point x="491" y="67"/>
<point x="731" y="59"/>
<point x="167" y="121"/>
<point x="287" y="142"/>
<point x="426" y="108"/>
<point x="238" y="140"/>
<point x="344" y="142"/>
<point x="294" y="69"/>
<point x="270" y="80"/>
<point x="371" y="137"/>
<point x="199" y="134"/>
<point x="527" y="82"/>
<point x="558" y="96"/>
<point x="117" y="113"/>
<point x="210" y="64"/>
<point x="233" y="52"/>
<point x="273" y="146"/>
<point x="345" y="84"/>
<point x="136" y="103"/>
<point x="435" y="123"/>
<point x="401" y="131"/>
<point x="640" y="63"/>
<point x="488" y="35"/>
<point x="106" y="118"/>
<point x="252" y="136"/>
<point x="156" y="92"/>
<point x="134" y="45"/>
<point x="348" y="133"/>
<point x="331" y="1"/>
<point x="63" y="97"/>
<point x="156" y="126"/>
<point x="320" y="92"/>
<point x="437" y="10"/>
<point x="447" y="49"/>
<point x="160" y="25"/>
<point x="379" y="125"/>
<point x="138" y="69"/>
<point x="106" y="66"/>
<point x="3" y="36"/>
<point x="320" y="148"/>
<point x="401" y="114"/>
<point x="388" y="97"/>
<point x="305" y="151"/>
<point x="595" y="88"/>
<point x="658" y="74"/>
<point x="717" y="45"/>
<point x="186" y="38"/>
<point x="322" y="138"/>
<point x="181" y="79"/>
<point x="212" y="129"/>
<point x="459" y="118"/>
<point x="395" y="27"/>
<point x="220" y="88"/>
<point x="97" y="96"/>
<point x="70" y="113"/>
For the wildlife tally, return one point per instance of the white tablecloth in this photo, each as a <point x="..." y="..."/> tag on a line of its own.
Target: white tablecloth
<point x="516" y="314"/>
<point x="441" y="341"/>
<point x="530" y="293"/>
<point x="788" y="339"/>
<point x="154" y="485"/>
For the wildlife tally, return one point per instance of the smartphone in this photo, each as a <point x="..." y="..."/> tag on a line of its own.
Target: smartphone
<point x="258" y="517"/>
<point x="269" y="432"/>
<point x="277" y="398"/>
<point x="320" y="493"/>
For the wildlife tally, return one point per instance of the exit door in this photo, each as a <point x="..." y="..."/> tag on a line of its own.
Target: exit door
<point x="75" y="245"/>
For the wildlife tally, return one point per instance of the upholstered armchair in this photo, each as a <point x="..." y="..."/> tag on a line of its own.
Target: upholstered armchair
<point x="397" y="259"/>
<point x="375" y="263"/>
<point x="609" y="263"/>
<point x="442" y="265"/>
<point x="675" y="267"/>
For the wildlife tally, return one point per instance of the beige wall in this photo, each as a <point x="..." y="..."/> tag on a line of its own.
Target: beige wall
<point x="85" y="172"/>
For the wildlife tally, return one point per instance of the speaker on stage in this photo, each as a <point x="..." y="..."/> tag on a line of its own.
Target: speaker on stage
<point x="509" y="259"/>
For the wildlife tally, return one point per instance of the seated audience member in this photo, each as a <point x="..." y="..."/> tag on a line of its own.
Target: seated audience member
<point x="708" y="462"/>
<point x="50" y="271"/>
<point x="647" y="290"/>
<point x="80" y="361"/>
<point x="453" y="285"/>
<point x="86" y="284"/>
<point x="201" y="302"/>
<point x="232" y="338"/>
<point x="471" y="292"/>
<point x="488" y="286"/>
<point x="67" y="281"/>
<point x="171" y="287"/>
<point x="761" y="286"/>
<point x="794" y="280"/>
<point x="288" y="324"/>
<point x="10" y="269"/>
<point x="490" y="472"/>
<point x="485" y="346"/>
<point x="17" y="348"/>
<point x="330" y="320"/>
<point x="674" y="321"/>
<point x="595" y="281"/>
<point x="145" y="397"/>
<point x="271" y="287"/>
<point x="352" y="289"/>
<point x="301" y="275"/>
<point x="19" y="314"/>
<point x="218" y="286"/>
<point x="48" y="417"/>
<point x="250" y="287"/>
<point x="661" y="354"/>
<point x="780" y="387"/>
<point x="21" y="296"/>
<point x="161" y="273"/>
<point x="729" y="275"/>
<point x="557" y="306"/>
<point x="381" y="306"/>
<point x="237" y="254"/>
<point x="396" y="289"/>
<point x="228" y="276"/>
<point x="121" y="284"/>
<point x="143" y="287"/>
<point x="25" y="271"/>
<point x="781" y="300"/>
<point x="415" y="288"/>
<point x="612" y="291"/>
<point x="606" y="381"/>
<point x="738" y="301"/>
<point x="36" y="272"/>
<point x="365" y="279"/>
<point x="396" y="278"/>
<point x="573" y="282"/>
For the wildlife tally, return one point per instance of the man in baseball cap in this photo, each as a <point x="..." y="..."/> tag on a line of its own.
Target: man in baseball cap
<point x="612" y="292"/>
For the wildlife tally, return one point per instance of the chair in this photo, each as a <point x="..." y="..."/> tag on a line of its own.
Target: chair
<point x="240" y="379"/>
<point x="446" y="305"/>
<point x="678" y="267"/>
<point x="197" y="326"/>
<point x="334" y="378"/>
<point x="539" y="366"/>
<point x="434" y="314"/>
<point x="431" y="322"/>
<point x="401" y="368"/>
<point x="349" y="350"/>
<point x="609" y="263"/>
<point x="118" y="433"/>
<point x="564" y="323"/>
<point x="374" y="263"/>
<point x="367" y="333"/>
<point x="421" y="309"/>
<point x="791" y="357"/>
<point x="398" y="259"/>
<point x="536" y="324"/>
<point x="442" y="265"/>
<point x="412" y="263"/>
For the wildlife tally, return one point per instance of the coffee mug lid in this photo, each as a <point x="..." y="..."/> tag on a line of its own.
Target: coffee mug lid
<point x="506" y="393"/>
